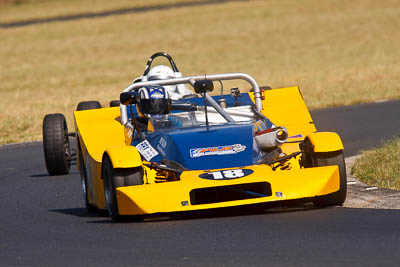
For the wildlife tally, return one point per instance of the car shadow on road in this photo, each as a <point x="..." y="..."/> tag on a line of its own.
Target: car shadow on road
<point x="39" y="175"/>
<point x="101" y="216"/>
<point x="82" y="212"/>
<point x="48" y="175"/>
<point x="249" y="210"/>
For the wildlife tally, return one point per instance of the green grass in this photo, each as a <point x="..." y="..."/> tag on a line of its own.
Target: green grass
<point x="339" y="52"/>
<point x="380" y="167"/>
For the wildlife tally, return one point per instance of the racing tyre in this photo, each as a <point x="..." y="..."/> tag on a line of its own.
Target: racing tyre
<point x="328" y="159"/>
<point x="86" y="105"/>
<point x="114" y="103"/>
<point x="116" y="177"/>
<point x="56" y="146"/>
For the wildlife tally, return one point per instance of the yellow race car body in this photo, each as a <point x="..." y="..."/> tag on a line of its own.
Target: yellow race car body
<point x="293" y="174"/>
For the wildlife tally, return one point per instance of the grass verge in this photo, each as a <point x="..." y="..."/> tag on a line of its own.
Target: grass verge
<point x="340" y="52"/>
<point x="380" y="167"/>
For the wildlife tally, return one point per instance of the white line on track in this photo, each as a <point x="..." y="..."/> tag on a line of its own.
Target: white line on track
<point x="371" y="188"/>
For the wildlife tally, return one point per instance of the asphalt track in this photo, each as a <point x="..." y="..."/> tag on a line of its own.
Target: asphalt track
<point x="43" y="223"/>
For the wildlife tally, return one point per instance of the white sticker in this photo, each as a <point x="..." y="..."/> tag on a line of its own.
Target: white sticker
<point x="226" y="174"/>
<point x="146" y="150"/>
<point x="217" y="150"/>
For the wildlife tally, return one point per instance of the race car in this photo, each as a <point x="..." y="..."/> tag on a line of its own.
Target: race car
<point x="167" y="149"/>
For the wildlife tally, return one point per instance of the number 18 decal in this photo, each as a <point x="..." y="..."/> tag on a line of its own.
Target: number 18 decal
<point x="226" y="174"/>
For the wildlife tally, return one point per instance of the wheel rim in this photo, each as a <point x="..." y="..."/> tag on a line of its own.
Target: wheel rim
<point x="67" y="151"/>
<point x="107" y="192"/>
<point x="82" y="172"/>
<point x="84" y="190"/>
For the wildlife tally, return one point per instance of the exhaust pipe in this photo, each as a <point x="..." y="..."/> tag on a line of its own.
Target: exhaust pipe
<point x="270" y="138"/>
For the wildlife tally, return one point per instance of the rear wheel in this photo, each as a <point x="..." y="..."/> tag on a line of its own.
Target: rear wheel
<point x="86" y="105"/>
<point x="56" y="146"/>
<point x="114" y="103"/>
<point x="117" y="177"/>
<point x="329" y="159"/>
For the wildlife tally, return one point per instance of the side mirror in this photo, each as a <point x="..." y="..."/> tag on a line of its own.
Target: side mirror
<point x="203" y="86"/>
<point x="128" y="98"/>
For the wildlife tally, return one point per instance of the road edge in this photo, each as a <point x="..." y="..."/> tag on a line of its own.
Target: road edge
<point x="361" y="195"/>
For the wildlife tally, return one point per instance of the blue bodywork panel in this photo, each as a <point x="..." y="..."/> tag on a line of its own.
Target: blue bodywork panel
<point x="195" y="148"/>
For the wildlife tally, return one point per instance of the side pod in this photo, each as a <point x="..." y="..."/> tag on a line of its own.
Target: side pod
<point x="325" y="141"/>
<point x="124" y="157"/>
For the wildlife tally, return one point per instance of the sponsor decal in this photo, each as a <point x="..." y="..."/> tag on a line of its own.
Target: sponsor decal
<point x="278" y="194"/>
<point x="216" y="150"/>
<point x="161" y="146"/>
<point x="146" y="150"/>
<point x="226" y="174"/>
<point x="157" y="93"/>
<point x="296" y="136"/>
<point x="162" y="142"/>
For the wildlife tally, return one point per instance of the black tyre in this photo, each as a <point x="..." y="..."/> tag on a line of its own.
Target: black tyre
<point x="115" y="177"/>
<point x="56" y="146"/>
<point x="115" y="103"/>
<point x="86" y="105"/>
<point x="328" y="159"/>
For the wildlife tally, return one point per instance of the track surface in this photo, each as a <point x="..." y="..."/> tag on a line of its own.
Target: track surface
<point x="362" y="126"/>
<point x="42" y="221"/>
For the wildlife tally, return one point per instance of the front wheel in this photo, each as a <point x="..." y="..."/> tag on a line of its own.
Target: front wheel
<point x="329" y="159"/>
<point x="87" y="105"/>
<point x="56" y="146"/>
<point x="117" y="177"/>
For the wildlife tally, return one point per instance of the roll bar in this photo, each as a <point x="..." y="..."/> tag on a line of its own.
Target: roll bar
<point x="191" y="80"/>
<point x="160" y="54"/>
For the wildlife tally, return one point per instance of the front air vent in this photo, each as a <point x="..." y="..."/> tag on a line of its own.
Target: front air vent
<point x="229" y="193"/>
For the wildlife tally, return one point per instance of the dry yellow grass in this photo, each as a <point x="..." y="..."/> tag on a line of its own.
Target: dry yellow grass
<point x="340" y="52"/>
<point x="15" y="10"/>
<point x="380" y="167"/>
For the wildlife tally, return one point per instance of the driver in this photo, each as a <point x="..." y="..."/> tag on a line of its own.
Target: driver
<point x="155" y="105"/>
<point x="162" y="72"/>
<point x="154" y="100"/>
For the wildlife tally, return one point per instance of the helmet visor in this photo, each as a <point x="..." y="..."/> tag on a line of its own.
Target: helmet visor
<point x="159" y="106"/>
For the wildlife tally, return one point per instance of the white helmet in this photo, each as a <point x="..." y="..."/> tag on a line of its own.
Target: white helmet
<point x="162" y="72"/>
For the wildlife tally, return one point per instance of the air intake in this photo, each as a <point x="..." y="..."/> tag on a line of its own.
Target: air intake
<point x="229" y="193"/>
